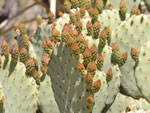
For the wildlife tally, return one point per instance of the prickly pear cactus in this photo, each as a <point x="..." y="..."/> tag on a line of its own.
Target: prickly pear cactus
<point x="17" y="87"/>
<point x="127" y="39"/>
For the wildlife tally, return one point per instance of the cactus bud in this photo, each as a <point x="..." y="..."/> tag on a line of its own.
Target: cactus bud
<point x="93" y="52"/>
<point x="82" y="11"/>
<point x="79" y="26"/>
<point x="90" y="100"/>
<point x="96" y="86"/>
<point x="75" y="3"/>
<point x="115" y="53"/>
<point x="75" y="49"/>
<point x="15" y="53"/>
<point x="39" y="19"/>
<point x="100" y="62"/>
<point x="89" y="79"/>
<point x="134" y="55"/>
<point x="56" y="35"/>
<point x="90" y="11"/>
<point x="67" y="6"/>
<point x="81" y="43"/>
<point x="80" y="67"/>
<point x="89" y="28"/>
<point x="99" y="5"/>
<point x="123" y="59"/>
<point x="86" y="57"/>
<point x="22" y="28"/>
<point x="47" y="46"/>
<point x="4" y="46"/>
<point x="70" y="41"/>
<point x="123" y="10"/>
<point x="135" y="11"/>
<point x="108" y="33"/>
<point x="45" y="60"/>
<point x="102" y="38"/>
<point x="74" y="34"/>
<point x="109" y="75"/>
<point x="43" y="69"/>
<point x="72" y="18"/>
<point x="65" y="35"/>
<point x="24" y="41"/>
<point x="6" y="54"/>
<point x="30" y="66"/>
<point x="87" y="3"/>
<point x="77" y="15"/>
<point x="36" y="76"/>
<point x="94" y="15"/>
<point x="96" y="29"/>
<point x="91" y="68"/>
<point x="115" y="47"/>
<point x="23" y="55"/>
<point x="51" y="17"/>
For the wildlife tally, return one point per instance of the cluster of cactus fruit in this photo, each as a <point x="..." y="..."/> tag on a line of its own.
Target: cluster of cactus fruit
<point x="90" y="60"/>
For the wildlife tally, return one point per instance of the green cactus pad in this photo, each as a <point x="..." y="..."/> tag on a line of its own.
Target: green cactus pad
<point x="43" y="32"/>
<point x="128" y="34"/>
<point x="142" y="71"/>
<point x="67" y="80"/>
<point x="47" y="103"/>
<point x="20" y="91"/>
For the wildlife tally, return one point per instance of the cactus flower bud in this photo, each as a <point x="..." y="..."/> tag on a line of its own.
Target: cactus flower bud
<point x="99" y="5"/>
<point x="96" y="86"/>
<point x="86" y="57"/>
<point x="88" y="79"/>
<point x="91" y="68"/>
<point x="135" y="55"/>
<point x="123" y="10"/>
<point x="89" y="28"/>
<point x="30" y="66"/>
<point x="79" y="26"/>
<point x="80" y="67"/>
<point x="23" y="55"/>
<point x="94" y="52"/>
<point x="15" y="53"/>
<point x="45" y="60"/>
<point x="109" y="75"/>
<point x="96" y="29"/>
<point x="82" y="11"/>
<point x="4" y="46"/>
<point x="100" y="62"/>
<point x="90" y="100"/>
<point x="102" y="38"/>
